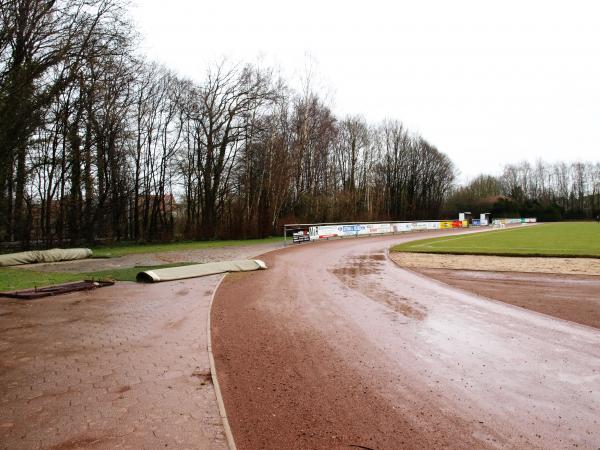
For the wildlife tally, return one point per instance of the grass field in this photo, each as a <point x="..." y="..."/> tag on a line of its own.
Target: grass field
<point x="129" y="249"/>
<point x="575" y="239"/>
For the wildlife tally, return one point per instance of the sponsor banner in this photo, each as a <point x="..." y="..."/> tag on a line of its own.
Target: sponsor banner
<point x="419" y="226"/>
<point x="402" y="227"/>
<point x="376" y="228"/>
<point x="351" y="229"/>
<point x="476" y="222"/>
<point x="348" y="230"/>
<point x="328" y="231"/>
<point x="300" y="237"/>
<point x="514" y="221"/>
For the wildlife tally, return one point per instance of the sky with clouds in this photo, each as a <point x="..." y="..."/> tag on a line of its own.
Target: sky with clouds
<point x="486" y="82"/>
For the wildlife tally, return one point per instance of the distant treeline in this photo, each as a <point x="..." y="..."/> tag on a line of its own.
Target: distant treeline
<point x="97" y="143"/>
<point x="550" y="192"/>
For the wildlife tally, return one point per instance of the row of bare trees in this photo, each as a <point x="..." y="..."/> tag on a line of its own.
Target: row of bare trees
<point x="61" y="62"/>
<point x="98" y="143"/>
<point x="549" y="191"/>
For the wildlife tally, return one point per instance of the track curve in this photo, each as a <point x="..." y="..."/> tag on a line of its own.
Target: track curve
<point x="337" y="347"/>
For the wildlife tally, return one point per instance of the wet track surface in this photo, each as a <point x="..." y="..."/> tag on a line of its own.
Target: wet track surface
<point x="337" y="347"/>
<point x="570" y="297"/>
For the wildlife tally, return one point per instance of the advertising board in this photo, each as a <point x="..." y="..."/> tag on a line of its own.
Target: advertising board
<point x="419" y="226"/>
<point x="316" y="232"/>
<point x="401" y="227"/>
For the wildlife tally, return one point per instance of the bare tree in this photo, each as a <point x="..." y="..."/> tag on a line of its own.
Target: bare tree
<point x="221" y="113"/>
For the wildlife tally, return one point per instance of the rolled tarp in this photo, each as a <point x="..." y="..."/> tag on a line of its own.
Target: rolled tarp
<point x="199" y="270"/>
<point x="44" y="256"/>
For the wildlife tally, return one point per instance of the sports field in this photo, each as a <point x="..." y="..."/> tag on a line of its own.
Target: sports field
<point x="574" y="239"/>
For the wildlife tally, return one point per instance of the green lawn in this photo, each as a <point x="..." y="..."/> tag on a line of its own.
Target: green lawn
<point x="128" y="249"/>
<point x="580" y="239"/>
<point x="13" y="278"/>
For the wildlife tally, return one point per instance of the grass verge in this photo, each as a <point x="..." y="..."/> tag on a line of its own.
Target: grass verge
<point x="567" y="239"/>
<point x="12" y="279"/>
<point x="129" y="249"/>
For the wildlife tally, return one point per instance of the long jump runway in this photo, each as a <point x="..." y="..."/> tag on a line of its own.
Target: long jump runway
<point x="336" y="347"/>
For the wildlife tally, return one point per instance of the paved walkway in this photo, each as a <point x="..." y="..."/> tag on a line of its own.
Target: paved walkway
<point x="120" y="367"/>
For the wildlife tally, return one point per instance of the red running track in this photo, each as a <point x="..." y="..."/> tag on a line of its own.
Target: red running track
<point x="336" y="347"/>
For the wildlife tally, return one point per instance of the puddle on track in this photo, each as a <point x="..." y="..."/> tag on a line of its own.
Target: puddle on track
<point x="357" y="274"/>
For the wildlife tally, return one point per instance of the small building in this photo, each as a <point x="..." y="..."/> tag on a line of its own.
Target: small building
<point x="465" y="216"/>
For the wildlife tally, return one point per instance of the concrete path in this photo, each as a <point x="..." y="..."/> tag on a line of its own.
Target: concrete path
<point x="120" y="367"/>
<point x="337" y="347"/>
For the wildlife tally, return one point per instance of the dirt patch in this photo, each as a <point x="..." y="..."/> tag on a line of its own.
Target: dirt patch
<point x="79" y="443"/>
<point x="204" y="376"/>
<point x="570" y="297"/>
<point x="576" y="266"/>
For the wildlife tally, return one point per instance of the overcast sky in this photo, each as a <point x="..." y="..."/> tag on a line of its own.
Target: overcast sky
<point x="486" y="82"/>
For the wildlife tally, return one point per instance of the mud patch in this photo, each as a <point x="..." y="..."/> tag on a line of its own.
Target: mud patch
<point x="175" y="324"/>
<point x="204" y="376"/>
<point x="80" y="443"/>
<point x="358" y="265"/>
<point x="355" y="274"/>
<point x="22" y="326"/>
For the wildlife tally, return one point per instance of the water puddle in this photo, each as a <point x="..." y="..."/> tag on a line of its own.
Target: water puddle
<point x="357" y="273"/>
